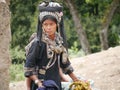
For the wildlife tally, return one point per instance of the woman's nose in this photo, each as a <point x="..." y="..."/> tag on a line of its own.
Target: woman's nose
<point x="48" y="27"/>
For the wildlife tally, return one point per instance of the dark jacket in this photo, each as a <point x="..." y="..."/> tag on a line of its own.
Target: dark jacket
<point x="36" y="58"/>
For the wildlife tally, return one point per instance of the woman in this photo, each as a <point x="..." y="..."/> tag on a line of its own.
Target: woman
<point x="28" y="80"/>
<point x="51" y="42"/>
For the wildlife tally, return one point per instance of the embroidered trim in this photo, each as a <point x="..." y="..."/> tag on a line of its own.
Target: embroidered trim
<point x="68" y="69"/>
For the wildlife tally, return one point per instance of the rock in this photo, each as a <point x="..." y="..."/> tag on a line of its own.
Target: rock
<point x="102" y="67"/>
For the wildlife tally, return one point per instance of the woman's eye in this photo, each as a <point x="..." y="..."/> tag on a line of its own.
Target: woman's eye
<point x="45" y="24"/>
<point x="51" y="24"/>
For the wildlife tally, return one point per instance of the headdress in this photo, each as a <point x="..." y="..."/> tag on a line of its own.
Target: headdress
<point x="56" y="10"/>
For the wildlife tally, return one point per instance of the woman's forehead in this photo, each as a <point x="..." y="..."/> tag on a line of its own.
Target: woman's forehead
<point x="49" y="21"/>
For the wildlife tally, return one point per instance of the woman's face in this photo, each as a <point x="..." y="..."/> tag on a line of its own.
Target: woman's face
<point x="49" y="27"/>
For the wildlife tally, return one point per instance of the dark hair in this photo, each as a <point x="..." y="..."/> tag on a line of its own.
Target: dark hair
<point x="49" y="17"/>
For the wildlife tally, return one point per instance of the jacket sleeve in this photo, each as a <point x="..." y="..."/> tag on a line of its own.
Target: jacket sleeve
<point x="31" y="60"/>
<point x="66" y="65"/>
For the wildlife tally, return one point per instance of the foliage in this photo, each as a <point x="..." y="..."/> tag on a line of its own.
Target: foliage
<point x="16" y="72"/>
<point x="74" y="51"/>
<point x="70" y="32"/>
<point x="114" y="31"/>
<point x="24" y="15"/>
<point x="114" y="36"/>
<point x="92" y="13"/>
<point x="74" y="54"/>
<point x="17" y="55"/>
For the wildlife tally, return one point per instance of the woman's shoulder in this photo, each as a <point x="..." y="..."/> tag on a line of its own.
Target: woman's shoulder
<point x="37" y="42"/>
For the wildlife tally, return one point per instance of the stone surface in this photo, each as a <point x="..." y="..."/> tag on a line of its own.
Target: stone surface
<point x="5" y="37"/>
<point x="102" y="67"/>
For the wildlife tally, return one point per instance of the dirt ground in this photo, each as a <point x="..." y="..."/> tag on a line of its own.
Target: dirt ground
<point x="103" y="68"/>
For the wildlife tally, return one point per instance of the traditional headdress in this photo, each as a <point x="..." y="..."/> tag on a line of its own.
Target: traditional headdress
<point x="56" y="10"/>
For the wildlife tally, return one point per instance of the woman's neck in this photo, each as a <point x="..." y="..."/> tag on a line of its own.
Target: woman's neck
<point x="52" y="37"/>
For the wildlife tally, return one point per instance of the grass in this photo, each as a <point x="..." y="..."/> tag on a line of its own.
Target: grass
<point x="75" y="54"/>
<point x="16" y="72"/>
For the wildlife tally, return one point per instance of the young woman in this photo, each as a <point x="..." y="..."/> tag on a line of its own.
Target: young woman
<point x="28" y="80"/>
<point x="51" y="42"/>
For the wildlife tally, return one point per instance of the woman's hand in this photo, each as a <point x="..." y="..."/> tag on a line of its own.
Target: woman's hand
<point x="28" y="88"/>
<point x="76" y="79"/>
<point x="36" y="80"/>
<point x="40" y="84"/>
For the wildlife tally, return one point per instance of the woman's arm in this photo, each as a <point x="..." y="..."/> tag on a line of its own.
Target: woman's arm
<point x="36" y="80"/>
<point x="67" y="68"/>
<point x="62" y="75"/>
<point x="73" y="77"/>
<point x="28" y="83"/>
<point x="30" y="65"/>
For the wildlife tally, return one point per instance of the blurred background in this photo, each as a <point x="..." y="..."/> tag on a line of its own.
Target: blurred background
<point x="90" y="26"/>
